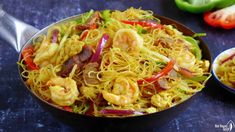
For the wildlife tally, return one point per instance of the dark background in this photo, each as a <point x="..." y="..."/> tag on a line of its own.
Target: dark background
<point x="20" y="112"/>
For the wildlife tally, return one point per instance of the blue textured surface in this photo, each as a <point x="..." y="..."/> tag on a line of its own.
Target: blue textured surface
<point x="20" y="112"/>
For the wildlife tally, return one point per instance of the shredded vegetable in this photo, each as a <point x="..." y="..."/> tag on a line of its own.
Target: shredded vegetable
<point x="226" y="70"/>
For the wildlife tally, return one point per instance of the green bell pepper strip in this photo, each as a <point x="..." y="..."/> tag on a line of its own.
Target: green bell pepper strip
<point x="196" y="48"/>
<point x="199" y="35"/>
<point x="199" y="78"/>
<point x="84" y="17"/>
<point x="200" y="6"/>
<point x="106" y="15"/>
<point x="161" y="73"/>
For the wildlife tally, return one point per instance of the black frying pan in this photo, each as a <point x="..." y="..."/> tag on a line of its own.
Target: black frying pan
<point x="19" y="35"/>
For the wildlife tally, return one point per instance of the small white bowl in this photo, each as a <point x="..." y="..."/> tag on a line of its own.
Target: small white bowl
<point x="215" y="65"/>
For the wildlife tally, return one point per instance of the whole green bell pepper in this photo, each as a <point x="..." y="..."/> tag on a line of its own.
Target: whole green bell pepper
<point x="200" y="6"/>
<point x="224" y="3"/>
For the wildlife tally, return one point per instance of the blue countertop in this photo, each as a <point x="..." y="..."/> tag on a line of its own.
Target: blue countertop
<point x="20" y="112"/>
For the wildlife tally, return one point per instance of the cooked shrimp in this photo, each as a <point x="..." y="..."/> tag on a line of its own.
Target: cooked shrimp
<point x="63" y="91"/>
<point x="45" y="52"/>
<point x="127" y="40"/>
<point x="185" y="59"/>
<point x="125" y="91"/>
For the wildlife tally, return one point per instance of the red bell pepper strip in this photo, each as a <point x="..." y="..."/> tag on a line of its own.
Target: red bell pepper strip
<point x="83" y="36"/>
<point x="155" y="77"/>
<point x="96" y="56"/>
<point x="227" y="59"/>
<point x="151" y="24"/>
<point x="68" y="108"/>
<point x="27" y="54"/>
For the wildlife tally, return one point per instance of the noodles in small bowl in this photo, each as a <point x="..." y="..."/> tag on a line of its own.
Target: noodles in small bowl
<point x="223" y="69"/>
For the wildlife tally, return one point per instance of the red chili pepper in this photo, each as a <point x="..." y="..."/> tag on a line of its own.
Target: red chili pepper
<point x="68" y="108"/>
<point x="155" y="77"/>
<point x="27" y="54"/>
<point x="144" y="23"/>
<point x="227" y="59"/>
<point x="96" y="56"/>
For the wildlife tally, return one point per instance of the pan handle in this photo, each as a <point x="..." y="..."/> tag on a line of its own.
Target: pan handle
<point x="14" y="31"/>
